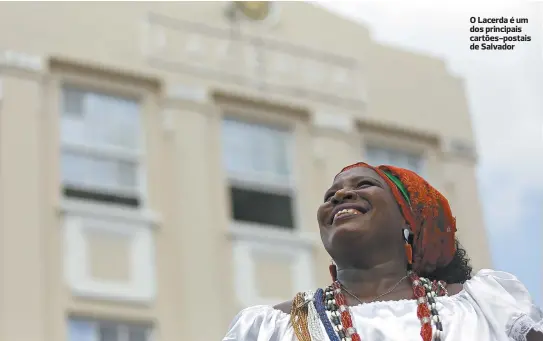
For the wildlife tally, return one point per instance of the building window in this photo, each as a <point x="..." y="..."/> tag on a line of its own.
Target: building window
<point x="257" y="159"/>
<point x="90" y="330"/>
<point x="393" y="157"/>
<point x="101" y="147"/>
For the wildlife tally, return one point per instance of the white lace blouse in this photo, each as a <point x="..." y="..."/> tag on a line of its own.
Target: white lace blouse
<point x="493" y="306"/>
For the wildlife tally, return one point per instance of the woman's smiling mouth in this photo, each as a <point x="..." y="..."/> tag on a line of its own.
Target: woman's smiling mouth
<point x="345" y="211"/>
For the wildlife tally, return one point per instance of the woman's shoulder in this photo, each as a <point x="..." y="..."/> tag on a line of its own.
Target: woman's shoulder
<point x="496" y="283"/>
<point x="489" y="279"/>
<point x="265" y="311"/>
<point x="285" y="307"/>
<point x="495" y="274"/>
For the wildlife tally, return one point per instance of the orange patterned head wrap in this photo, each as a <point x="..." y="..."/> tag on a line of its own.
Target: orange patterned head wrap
<point x="426" y="212"/>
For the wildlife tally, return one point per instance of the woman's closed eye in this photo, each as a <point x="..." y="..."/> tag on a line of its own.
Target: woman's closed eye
<point x="365" y="184"/>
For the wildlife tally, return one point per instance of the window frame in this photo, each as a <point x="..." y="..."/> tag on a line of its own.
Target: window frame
<point x="140" y="221"/>
<point x="297" y="244"/>
<point x="120" y="90"/>
<point x="402" y="138"/>
<point x="259" y="181"/>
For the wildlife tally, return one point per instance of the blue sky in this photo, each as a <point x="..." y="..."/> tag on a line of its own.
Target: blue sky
<point x="504" y="95"/>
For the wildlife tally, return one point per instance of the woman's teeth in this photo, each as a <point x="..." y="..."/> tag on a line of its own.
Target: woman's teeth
<point x="346" y="211"/>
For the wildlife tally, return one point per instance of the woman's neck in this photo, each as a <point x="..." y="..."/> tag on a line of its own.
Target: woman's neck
<point x="369" y="283"/>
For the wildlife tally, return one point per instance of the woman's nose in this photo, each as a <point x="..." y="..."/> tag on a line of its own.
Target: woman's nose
<point x="342" y="195"/>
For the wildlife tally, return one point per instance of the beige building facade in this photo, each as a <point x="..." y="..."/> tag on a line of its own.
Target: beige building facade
<point x="161" y="163"/>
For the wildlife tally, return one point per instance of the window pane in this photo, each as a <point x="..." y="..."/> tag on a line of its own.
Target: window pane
<point x="122" y="117"/>
<point x="251" y="148"/>
<point x="260" y="151"/>
<point x="378" y="156"/>
<point x="127" y="174"/>
<point x="101" y="172"/>
<point x="138" y="333"/>
<point x="280" y="155"/>
<point x="72" y="168"/>
<point x="73" y="102"/>
<point x="73" y="130"/>
<point x="102" y="120"/>
<point x="236" y="146"/>
<point x="81" y="331"/>
<point x="102" y="330"/>
<point x="85" y="170"/>
<point x="271" y="151"/>
<point x="398" y="159"/>
<point x="260" y="207"/>
<point x="108" y="331"/>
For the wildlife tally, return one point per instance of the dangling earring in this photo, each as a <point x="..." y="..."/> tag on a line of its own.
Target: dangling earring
<point x="407" y="235"/>
<point x="333" y="271"/>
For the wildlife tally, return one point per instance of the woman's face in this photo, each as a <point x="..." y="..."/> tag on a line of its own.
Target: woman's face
<point x="359" y="211"/>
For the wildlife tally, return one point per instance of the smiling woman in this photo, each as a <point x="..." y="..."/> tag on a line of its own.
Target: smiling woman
<point x="398" y="273"/>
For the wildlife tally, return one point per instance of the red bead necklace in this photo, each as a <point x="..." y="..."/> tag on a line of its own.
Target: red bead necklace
<point x="424" y="292"/>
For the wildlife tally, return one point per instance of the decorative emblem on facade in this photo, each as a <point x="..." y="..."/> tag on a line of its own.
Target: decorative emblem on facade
<point x="254" y="10"/>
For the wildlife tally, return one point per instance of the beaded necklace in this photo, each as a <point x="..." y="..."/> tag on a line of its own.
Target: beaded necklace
<point x="326" y="315"/>
<point x="333" y="311"/>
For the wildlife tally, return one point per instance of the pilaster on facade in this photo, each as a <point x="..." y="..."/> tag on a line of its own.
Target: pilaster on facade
<point x="332" y="119"/>
<point x="194" y="93"/>
<point x="183" y="98"/>
<point x="21" y="60"/>
<point x="337" y="127"/>
<point x="23" y="263"/>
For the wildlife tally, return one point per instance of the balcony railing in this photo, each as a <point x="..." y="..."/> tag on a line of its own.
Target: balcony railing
<point x="272" y="66"/>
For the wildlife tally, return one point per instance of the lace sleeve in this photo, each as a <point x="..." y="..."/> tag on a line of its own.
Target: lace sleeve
<point x="520" y="325"/>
